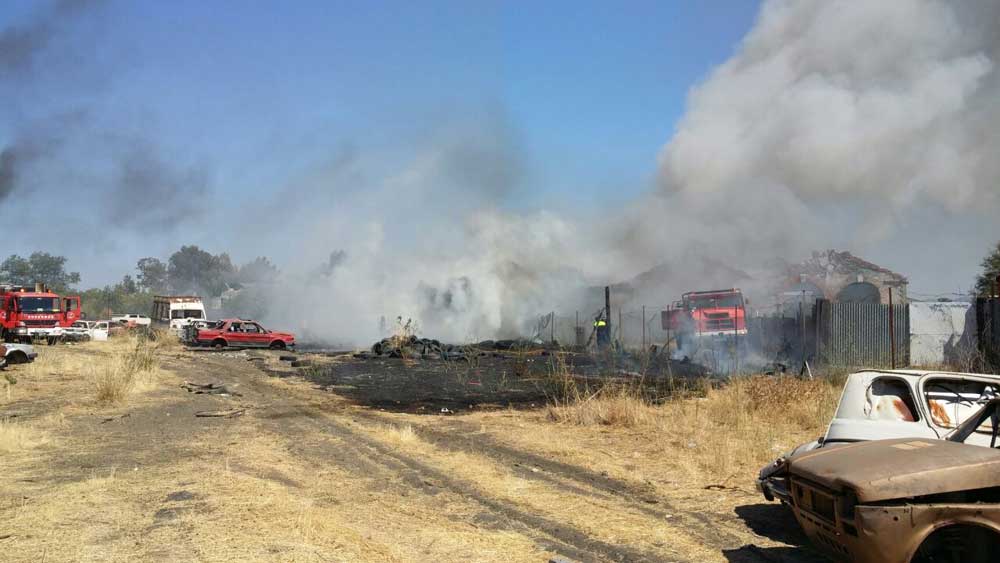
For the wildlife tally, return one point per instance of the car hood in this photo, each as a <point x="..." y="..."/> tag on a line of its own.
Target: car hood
<point x="893" y="469"/>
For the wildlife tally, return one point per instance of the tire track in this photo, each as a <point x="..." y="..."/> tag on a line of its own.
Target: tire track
<point x="573" y="478"/>
<point x="567" y="540"/>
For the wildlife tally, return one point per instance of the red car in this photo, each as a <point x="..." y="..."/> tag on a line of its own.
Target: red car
<point x="243" y="334"/>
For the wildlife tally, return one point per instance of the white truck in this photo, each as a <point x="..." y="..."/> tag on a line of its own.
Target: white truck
<point x="131" y="319"/>
<point x="177" y="311"/>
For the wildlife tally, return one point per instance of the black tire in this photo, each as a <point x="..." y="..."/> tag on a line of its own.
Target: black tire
<point x="218" y="344"/>
<point x="962" y="542"/>
<point x="277" y="345"/>
<point x="17" y="357"/>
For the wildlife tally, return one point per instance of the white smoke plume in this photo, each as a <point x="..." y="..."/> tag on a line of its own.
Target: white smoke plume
<point x="841" y="114"/>
<point x="833" y="123"/>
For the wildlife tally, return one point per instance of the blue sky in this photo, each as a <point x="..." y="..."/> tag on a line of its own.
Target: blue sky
<point x="591" y="88"/>
<point x="258" y="93"/>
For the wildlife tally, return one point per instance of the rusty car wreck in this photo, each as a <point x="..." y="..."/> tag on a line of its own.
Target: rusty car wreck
<point x="903" y="500"/>
<point x="882" y="404"/>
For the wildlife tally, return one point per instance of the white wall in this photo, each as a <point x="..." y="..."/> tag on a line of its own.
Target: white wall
<point x="933" y="328"/>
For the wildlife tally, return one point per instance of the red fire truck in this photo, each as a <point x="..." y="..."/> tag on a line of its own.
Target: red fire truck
<point x="706" y="314"/>
<point x="27" y="314"/>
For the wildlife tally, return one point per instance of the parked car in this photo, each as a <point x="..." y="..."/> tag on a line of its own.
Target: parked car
<point x="879" y="404"/>
<point x="905" y="500"/>
<point x="243" y="333"/>
<point x="78" y="331"/>
<point x="18" y="353"/>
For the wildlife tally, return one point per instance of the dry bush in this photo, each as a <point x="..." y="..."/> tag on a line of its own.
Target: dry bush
<point x="113" y="381"/>
<point x="399" y="435"/>
<point x="720" y="432"/>
<point x="16" y="437"/>
<point x="611" y="405"/>
<point x="739" y="427"/>
<point x="116" y="378"/>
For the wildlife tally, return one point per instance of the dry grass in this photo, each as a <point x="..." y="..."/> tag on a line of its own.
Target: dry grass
<point x="730" y="431"/>
<point x="399" y="435"/>
<point x="129" y="367"/>
<point x="15" y="437"/>
<point x="612" y="405"/>
<point x="740" y="427"/>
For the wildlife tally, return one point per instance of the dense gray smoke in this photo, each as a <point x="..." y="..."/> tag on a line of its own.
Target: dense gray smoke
<point x="868" y="126"/>
<point x="56" y="151"/>
<point x="21" y="46"/>
<point x="836" y="116"/>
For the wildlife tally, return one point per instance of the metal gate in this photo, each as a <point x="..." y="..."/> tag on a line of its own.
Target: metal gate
<point x="857" y="334"/>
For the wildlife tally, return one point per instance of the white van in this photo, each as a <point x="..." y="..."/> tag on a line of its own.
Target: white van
<point x="177" y="311"/>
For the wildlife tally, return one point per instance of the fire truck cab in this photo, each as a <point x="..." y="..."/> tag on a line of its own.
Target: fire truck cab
<point x="720" y="312"/>
<point x="26" y="314"/>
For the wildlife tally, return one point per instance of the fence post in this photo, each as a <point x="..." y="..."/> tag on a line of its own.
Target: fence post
<point x="892" y="332"/>
<point x="643" y="327"/>
<point x="552" y="329"/>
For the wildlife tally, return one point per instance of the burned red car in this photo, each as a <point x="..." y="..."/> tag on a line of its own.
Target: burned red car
<point x="242" y="333"/>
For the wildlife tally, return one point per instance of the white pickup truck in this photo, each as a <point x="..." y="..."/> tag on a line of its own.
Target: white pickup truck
<point x="131" y="319"/>
<point x="88" y="330"/>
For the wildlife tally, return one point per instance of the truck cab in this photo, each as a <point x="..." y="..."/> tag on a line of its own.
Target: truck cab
<point x="25" y="315"/>
<point x="177" y="311"/>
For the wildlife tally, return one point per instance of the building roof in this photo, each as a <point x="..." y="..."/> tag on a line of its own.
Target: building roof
<point x="832" y="261"/>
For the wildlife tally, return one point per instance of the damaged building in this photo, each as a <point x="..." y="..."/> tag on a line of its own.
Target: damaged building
<point x="843" y="277"/>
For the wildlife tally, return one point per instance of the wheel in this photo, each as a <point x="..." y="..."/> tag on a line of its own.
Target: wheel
<point x="17" y="357"/>
<point x="219" y="344"/>
<point x="277" y="345"/>
<point x="966" y="543"/>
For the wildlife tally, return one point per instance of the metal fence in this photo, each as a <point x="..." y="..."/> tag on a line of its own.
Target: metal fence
<point x="842" y="334"/>
<point x="988" y="333"/>
<point x="858" y="334"/>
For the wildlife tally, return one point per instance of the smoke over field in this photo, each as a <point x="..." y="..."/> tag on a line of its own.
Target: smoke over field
<point x="834" y="123"/>
<point x="863" y="125"/>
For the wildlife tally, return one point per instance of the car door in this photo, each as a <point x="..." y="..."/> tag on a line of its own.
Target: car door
<point x="235" y="335"/>
<point x="100" y="332"/>
<point x="257" y="334"/>
<point x="952" y="398"/>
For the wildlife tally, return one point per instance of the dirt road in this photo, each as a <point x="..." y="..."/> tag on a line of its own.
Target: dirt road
<point x="306" y="475"/>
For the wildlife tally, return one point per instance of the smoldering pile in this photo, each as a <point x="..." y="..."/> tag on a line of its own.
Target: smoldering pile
<point x="414" y="348"/>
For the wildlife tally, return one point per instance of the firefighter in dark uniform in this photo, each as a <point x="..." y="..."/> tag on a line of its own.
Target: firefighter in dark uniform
<point x="602" y="332"/>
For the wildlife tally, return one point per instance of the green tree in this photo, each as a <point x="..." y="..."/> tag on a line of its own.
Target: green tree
<point x="152" y="275"/>
<point x="192" y="269"/>
<point x="260" y="270"/>
<point x="991" y="269"/>
<point x="128" y="285"/>
<point x="39" y="267"/>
